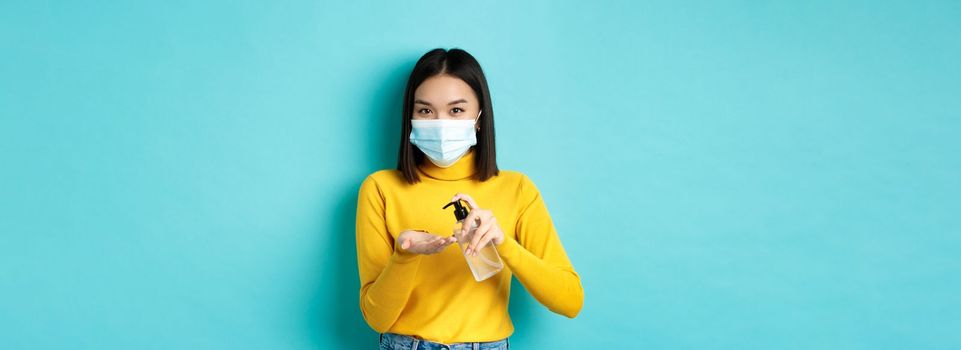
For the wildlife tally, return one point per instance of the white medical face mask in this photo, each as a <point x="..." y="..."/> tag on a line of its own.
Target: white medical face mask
<point x="444" y="141"/>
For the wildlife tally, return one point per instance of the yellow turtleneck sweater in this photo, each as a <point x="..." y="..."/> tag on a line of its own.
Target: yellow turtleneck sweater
<point x="435" y="297"/>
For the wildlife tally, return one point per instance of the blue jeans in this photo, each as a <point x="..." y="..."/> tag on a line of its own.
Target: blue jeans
<point x="394" y="341"/>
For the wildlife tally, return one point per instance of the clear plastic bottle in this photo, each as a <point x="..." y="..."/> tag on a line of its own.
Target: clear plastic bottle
<point x="487" y="262"/>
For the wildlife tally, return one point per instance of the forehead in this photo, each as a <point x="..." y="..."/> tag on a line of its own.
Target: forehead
<point x="444" y="88"/>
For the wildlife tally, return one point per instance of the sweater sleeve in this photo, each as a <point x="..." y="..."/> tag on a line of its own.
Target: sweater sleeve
<point x="538" y="259"/>
<point x="386" y="274"/>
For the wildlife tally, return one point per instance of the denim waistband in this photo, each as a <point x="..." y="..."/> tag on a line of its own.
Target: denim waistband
<point x="394" y="341"/>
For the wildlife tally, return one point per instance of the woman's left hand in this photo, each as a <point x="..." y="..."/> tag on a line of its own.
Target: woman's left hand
<point x="487" y="229"/>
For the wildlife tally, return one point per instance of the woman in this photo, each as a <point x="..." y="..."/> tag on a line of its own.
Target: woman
<point x="415" y="289"/>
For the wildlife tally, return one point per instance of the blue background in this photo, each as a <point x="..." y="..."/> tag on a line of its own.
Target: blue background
<point x="724" y="175"/>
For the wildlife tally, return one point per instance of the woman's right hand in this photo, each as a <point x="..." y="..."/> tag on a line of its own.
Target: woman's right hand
<point x="420" y="242"/>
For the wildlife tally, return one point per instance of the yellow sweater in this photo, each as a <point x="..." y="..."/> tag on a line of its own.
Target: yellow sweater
<point x="435" y="296"/>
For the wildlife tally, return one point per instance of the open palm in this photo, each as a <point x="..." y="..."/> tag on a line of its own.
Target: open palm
<point x="420" y="242"/>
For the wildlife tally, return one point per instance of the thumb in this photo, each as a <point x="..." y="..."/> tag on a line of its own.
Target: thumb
<point x="405" y="244"/>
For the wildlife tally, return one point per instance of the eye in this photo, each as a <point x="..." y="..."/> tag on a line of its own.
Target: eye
<point x="423" y="111"/>
<point x="456" y="110"/>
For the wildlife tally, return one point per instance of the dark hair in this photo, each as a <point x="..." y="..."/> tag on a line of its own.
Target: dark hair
<point x="460" y="64"/>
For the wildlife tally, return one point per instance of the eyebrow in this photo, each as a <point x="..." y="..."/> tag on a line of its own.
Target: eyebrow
<point x="454" y="102"/>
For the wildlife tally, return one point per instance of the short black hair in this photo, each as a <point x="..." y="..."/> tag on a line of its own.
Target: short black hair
<point x="460" y="64"/>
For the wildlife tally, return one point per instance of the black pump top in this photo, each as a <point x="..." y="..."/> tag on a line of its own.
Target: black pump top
<point x="460" y="212"/>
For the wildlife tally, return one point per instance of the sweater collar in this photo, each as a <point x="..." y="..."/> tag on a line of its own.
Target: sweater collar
<point x="462" y="169"/>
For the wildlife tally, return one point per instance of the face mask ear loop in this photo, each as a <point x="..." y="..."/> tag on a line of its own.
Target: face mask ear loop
<point x="477" y="127"/>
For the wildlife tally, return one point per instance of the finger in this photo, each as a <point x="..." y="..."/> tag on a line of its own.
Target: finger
<point x="438" y="245"/>
<point x="405" y="244"/>
<point x="443" y="240"/>
<point x="478" y="244"/>
<point x="428" y="249"/>
<point x="480" y="215"/>
<point x="487" y="222"/>
<point x="465" y="239"/>
<point x="449" y="240"/>
<point x="484" y="241"/>
<point x="433" y="242"/>
<point x="474" y="245"/>
<point x="467" y="198"/>
<point x="489" y="228"/>
<point x="469" y="221"/>
<point x="421" y="241"/>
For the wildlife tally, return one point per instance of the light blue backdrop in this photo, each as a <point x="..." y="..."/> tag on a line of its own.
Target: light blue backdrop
<point x="736" y="175"/>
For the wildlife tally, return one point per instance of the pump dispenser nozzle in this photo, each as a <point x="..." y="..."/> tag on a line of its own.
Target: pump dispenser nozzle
<point x="460" y="212"/>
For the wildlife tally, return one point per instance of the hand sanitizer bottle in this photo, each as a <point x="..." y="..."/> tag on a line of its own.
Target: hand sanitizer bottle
<point x="487" y="262"/>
